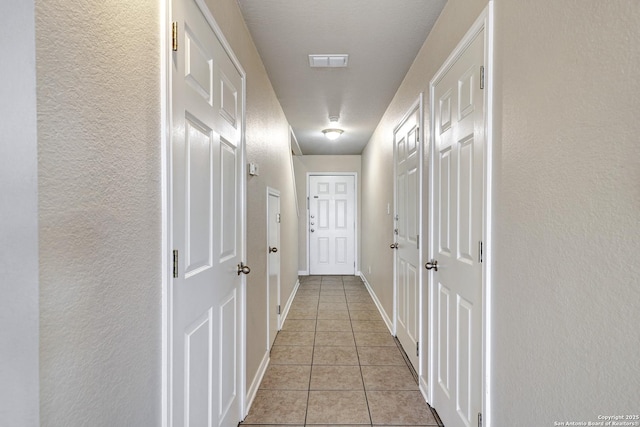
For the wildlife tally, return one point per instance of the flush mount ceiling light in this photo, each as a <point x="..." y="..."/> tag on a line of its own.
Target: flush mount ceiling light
<point x="332" y="134"/>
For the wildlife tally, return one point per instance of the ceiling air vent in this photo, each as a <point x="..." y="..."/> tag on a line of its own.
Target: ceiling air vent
<point x="328" y="61"/>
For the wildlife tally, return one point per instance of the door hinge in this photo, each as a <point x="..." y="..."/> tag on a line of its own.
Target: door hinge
<point x="418" y="241"/>
<point x="174" y="36"/>
<point x="278" y="218"/>
<point x="480" y="251"/>
<point x="175" y="264"/>
<point x="278" y="308"/>
<point x="479" y="419"/>
<point x="482" y="77"/>
<point x="417" y="349"/>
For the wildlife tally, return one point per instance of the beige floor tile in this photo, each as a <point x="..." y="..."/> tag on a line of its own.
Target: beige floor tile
<point x="335" y="378"/>
<point x="332" y="287"/>
<point x="357" y="297"/>
<point x="308" y="291"/>
<point x="364" y="315"/>
<point x="324" y="299"/>
<point x="307" y="299"/>
<point x="333" y="314"/>
<point x="336" y="325"/>
<point x="286" y="377"/>
<point x="369" y="325"/>
<point x="374" y="339"/>
<point x="335" y="356"/>
<point x="399" y="408"/>
<point x="380" y="356"/>
<point x="332" y="306"/>
<point x="299" y="325"/>
<point x="337" y="407"/>
<point x="388" y="378"/>
<point x="332" y="291"/>
<point x="334" y="339"/>
<point x="292" y="355"/>
<point x="278" y="407"/>
<point x="365" y="306"/>
<point x="294" y="338"/>
<point x="302" y="314"/>
<point x="301" y="305"/>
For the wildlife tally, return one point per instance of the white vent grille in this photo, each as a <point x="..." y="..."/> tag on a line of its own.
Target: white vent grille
<point x="328" y="61"/>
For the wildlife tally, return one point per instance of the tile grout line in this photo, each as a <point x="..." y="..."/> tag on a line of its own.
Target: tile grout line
<point x="364" y="387"/>
<point x="313" y="351"/>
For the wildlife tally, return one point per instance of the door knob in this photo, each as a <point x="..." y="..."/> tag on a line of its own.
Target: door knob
<point x="272" y="249"/>
<point x="393" y="246"/>
<point x="432" y="265"/>
<point x="243" y="268"/>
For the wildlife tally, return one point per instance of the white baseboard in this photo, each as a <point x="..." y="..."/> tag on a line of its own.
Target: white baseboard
<point x="255" y="384"/>
<point x="287" y="306"/>
<point x="303" y="273"/>
<point x="385" y="317"/>
<point x="424" y="389"/>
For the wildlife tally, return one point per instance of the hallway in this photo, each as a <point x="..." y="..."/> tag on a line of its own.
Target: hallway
<point x="334" y="362"/>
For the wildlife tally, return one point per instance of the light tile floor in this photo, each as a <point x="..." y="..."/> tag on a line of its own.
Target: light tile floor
<point x="335" y="363"/>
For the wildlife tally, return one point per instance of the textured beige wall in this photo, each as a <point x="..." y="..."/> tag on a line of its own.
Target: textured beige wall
<point x="567" y="168"/>
<point x="567" y="216"/>
<point x="267" y="136"/>
<point x="98" y="72"/>
<point x="305" y="164"/>
<point x="19" y="316"/>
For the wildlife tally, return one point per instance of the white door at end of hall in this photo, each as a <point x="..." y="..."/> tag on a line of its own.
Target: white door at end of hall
<point x="406" y="233"/>
<point x="332" y="224"/>
<point x="273" y="265"/>
<point x="205" y="294"/>
<point x="457" y="209"/>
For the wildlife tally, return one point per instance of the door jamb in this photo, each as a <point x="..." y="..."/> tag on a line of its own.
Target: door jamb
<point x="485" y="21"/>
<point x="271" y="192"/>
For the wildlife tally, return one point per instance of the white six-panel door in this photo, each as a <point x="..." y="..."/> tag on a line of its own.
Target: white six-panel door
<point x="332" y="224"/>
<point x="406" y="233"/>
<point x="457" y="210"/>
<point x="205" y="311"/>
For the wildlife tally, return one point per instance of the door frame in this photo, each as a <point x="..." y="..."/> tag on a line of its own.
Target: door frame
<point x="357" y="222"/>
<point x="485" y="22"/>
<point x="418" y="106"/>
<point x="272" y="192"/>
<point x="166" y="185"/>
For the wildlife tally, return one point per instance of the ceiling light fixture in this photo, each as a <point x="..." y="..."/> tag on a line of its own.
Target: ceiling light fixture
<point x="332" y="134"/>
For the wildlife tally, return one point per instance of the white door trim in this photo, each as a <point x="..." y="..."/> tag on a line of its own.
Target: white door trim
<point x="357" y="242"/>
<point x="419" y="106"/>
<point x="271" y="192"/>
<point x="167" y="201"/>
<point x="483" y="22"/>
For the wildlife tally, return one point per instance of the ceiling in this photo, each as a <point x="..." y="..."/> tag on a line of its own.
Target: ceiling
<point x="381" y="37"/>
